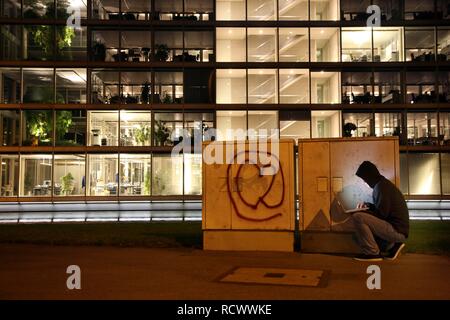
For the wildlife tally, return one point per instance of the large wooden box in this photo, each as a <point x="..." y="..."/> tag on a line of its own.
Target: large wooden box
<point x="243" y="210"/>
<point x="326" y="175"/>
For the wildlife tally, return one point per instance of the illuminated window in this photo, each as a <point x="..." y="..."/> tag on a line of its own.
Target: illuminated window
<point x="167" y="175"/>
<point x="324" y="10"/>
<point x="419" y="44"/>
<point x="445" y="171"/>
<point x="70" y="127"/>
<point x="103" y="128"/>
<point x="325" y="87"/>
<point x="293" y="44"/>
<point x="231" y="86"/>
<point x="135" y="128"/>
<point x="294" y="86"/>
<point x="192" y="174"/>
<point x="262" y="123"/>
<point x="230" y="9"/>
<point x="262" y="44"/>
<point x="37" y="128"/>
<point x="231" y="125"/>
<point x="387" y="44"/>
<point x="230" y="44"/>
<point x="293" y="9"/>
<point x="295" y="124"/>
<point x="326" y="124"/>
<point x="71" y="86"/>
<point x="9" y="175"/>
<point x="389" y="124"/>
<point x="424" y="173"/>
<point x="262" y="86"/>
<point x="422" y="128"/>
<point x="356" y="44"/>
<point x="69" y="175"/>
<point x="324" y="44"/>
<point x="135" y="174"/>
<point x="261" y="10"/>
<point x="36" y="175"/>
<point x="103" y="175"/>
<point x="362" y="121"/>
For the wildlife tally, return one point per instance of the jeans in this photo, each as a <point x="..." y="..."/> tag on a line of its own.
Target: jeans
<point x="369" y="229"/>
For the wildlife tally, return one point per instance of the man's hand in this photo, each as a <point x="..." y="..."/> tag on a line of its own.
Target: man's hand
<point x="361" y="205"/>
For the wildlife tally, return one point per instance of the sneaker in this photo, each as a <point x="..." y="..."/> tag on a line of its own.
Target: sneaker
<point x="395" y="251"/>
<point x="368" y="257"/>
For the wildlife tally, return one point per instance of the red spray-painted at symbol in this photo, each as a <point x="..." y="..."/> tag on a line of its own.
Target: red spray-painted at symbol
<point x="261" y="199"/>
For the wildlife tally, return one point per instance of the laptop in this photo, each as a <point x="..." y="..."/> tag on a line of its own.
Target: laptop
<point x="351" y="210"/>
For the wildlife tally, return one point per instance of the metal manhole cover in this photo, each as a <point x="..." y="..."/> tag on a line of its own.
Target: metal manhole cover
<point x="277" y="276"/>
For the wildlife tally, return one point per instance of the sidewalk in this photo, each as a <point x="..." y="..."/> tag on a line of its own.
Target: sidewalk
<point x="39" y="272"/>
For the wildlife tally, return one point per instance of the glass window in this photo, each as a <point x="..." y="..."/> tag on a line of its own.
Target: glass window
<point x="10" y="84"/>
<point x="193" y="174"/>
<point x="422" y="128"/>
<point x="324" y="10"/>
<point x="9" y="128"/>
<point x="69" y="175"/>
<point x="261" y="10"/>
<point x="105" y="9"/>
<point x="357" y="87"/>
<point x="38" y="42"/>
<point x="135" y="128"/>
<point x="200" y="122"/>
<point x="389" y="124"/>
<point x="231" y="125"/>
<point x="443" y="44"/>
<point x="71" y="86"/>
<point x="136" y="9"/>
<point x="169" y="46"/>
<point x="33" y="9"/>
<point x="404" y="173"/>
<point x="387" y="87"/>
<point x="295" y="124"/>
<point x="35" y="175"/>
<point x="387" y="44"/>
<point x="230" y="44"/>
<point x="105" y="46"/>
<point x="10" y="42"/>
<point x="354" y="10"/>
<point x="444" y="86"/>
<point x="71" y="127"/>
<point x="390" y="10"/>
<point x="168" y="87"/>
<point x="197" y="86"/>
<point x="293" y="10"/>
<point x="419" y="44"/>
<point x="105" y="87"/>
<point x="294" y="86"/>
<point x="326" y="124"/>
<point x="9" y="175"/>
<point x="293" y="44"/>
<point x="135" y="46"/>
<point x="424" y="175"/>
<point x="10" y="8"/>
<point x="198" y="46"/>
<point x="444" y="128"/>
<point x="135" y="87"/>
<point x="262" y="44"/>
<point x="420" y="87"/>
<point x="135" y="174"/>
<point x="445" y="171"/>
<point x="168" y="128"/>
<point x="63" y="5"/>
<point x="230" y="9"/>
<point x="169" y="10"/>
<point x="103" y="175"/>
<point x="262" y="86"/>
<point x="261" y="123"/>
<point x="103" y="128"/>
<point x="419" y="10"/>
<point x="231" y="86"/>
<point x="442" y="9"/>
<point x="325" y="87"/>
<point x="356" y="44"/>
<point x="38" y="86"/>
<point x="324" y="44"/>
<point x="75" y="49"/>
<point x="363" y="122"/>
<point x="200" y="9"/>
<point x="37" y="127"/>
<point x="167" y="175"/>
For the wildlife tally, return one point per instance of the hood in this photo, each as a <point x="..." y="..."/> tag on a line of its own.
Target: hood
<point x="369" y="173"/>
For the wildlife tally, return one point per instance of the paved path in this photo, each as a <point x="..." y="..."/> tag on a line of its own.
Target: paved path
<point x="39" y="272"/>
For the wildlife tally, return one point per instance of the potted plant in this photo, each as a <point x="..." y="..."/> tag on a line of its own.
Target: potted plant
<point x="142" y="135"/>
<point x="67" y="184"/>
<point x="348" y="128"/>
<point x="145" y="93"/>
<point x="162" y="52"/>
<point x="38" y="126"/>
<point x="99" y="51"/>
<point x="161" y="133"/>
<point x="28" y="183"/>
<point x="63" y="123"/>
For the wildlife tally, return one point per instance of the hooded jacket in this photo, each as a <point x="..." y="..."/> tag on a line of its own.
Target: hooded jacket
<point x="388" y="201"/>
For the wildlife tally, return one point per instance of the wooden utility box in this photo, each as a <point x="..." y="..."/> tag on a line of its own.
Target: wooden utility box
<point x="243" y="210"/>
<point x="326" y="175"/>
